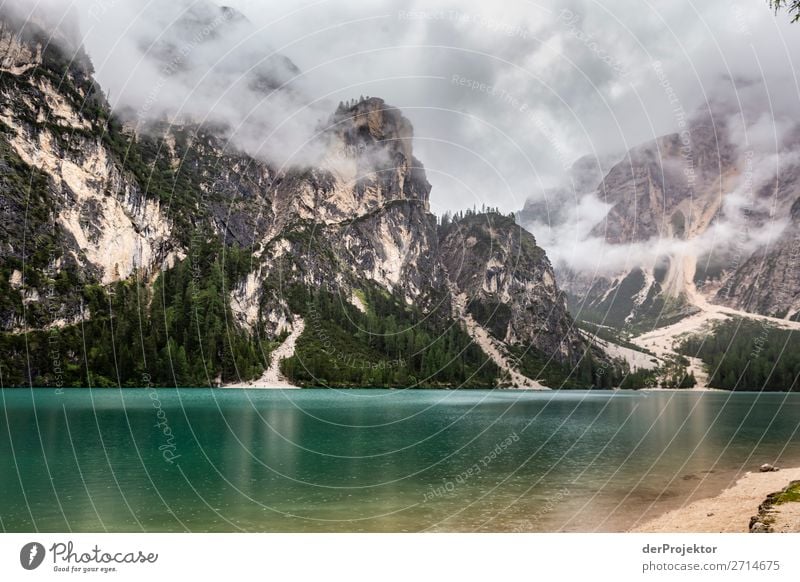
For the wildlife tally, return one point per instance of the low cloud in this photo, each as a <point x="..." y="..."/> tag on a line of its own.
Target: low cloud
<point x="571" y="78"/>
<point x="749" y="219"/>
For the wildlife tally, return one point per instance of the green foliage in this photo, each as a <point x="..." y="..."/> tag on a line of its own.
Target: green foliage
<point x="24" y="193"/>
<point x="148" y="159"/>
<point x="30" y="242"/>
<point x="589" y="372"/>
<point x="789" y="495"/>
<point x="494" y="213"/>
<point x="639" y="379"/>
<point x="180" y="332"/>
<point x="392" y="344"/>
<point x="743" y="354"/>
<point x="675" y="374"/>
<point x="791" y="6"/>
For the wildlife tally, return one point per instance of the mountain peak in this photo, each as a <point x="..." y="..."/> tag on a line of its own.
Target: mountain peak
<point x="371" y="120"/>
<point x="371" y="147"/>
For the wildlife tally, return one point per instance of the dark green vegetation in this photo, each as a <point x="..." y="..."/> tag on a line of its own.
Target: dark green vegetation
<point x="672" y="375"/>
<point x="675" y="374"/>
<point x="639" y="379"/>
<point x="508" y="282"/>
<point x="450" y="218"/>
<point x="790" y="494"/>
<point x="181" y="331"/>
<point x="493" y="315"/>
<point x="29" y="241"/>
<point x="392" y="344"/>
<point x="175" y="327"/>
<point x="588" y="373"/>
<point x="177" y="332"/>
<point x="791" y="6"/>
<point x="29" y="238"/>
<point x="624" y="377"/>
<point x="742" y="354"/>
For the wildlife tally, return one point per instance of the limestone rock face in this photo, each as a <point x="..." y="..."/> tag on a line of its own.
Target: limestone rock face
<point x="363" y="214"/>
<point x="510" y="285"/>
<point x="78" y="213"/>
<point x="724" y="217"/>
<point x="768" y="281"/>
<point x="97" y="201"/>
<point x="669" y="187"/>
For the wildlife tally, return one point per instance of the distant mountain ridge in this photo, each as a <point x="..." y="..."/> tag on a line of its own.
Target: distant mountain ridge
<point x="692" y="237"/>
<point x="728" y="235"/>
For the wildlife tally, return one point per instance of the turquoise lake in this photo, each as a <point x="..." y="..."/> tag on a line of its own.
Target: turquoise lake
<point x="375" y="460"/>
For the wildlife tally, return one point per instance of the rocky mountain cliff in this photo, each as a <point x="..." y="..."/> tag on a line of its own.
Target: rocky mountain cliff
<point x="683" y="248"/>
<point x="699" y="219"/>
<point x="161" y="254"/>
<point x="509" y="284"/>
<point x="766" y="281"/>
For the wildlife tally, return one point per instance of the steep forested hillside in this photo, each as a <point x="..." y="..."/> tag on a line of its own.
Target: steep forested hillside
<point x="745" y="355"/>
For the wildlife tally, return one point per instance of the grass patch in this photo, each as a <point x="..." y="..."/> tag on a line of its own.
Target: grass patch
<point x="791" y="493"/>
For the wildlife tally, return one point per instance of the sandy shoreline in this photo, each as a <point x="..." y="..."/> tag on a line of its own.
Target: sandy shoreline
<point x="728" y="512"/>
<point x="273" y="378"/>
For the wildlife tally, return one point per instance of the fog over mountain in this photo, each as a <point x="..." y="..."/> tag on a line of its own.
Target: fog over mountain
<point x="283" y="167"/>
<point x="529" y="106"/>
<point x="503" y="100"/>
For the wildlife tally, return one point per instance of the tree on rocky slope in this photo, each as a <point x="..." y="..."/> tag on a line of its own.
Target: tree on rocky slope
<point x="792" y="6"/>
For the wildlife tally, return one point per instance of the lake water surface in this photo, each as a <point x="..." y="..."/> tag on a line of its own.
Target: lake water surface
<point x="375" y="460"/>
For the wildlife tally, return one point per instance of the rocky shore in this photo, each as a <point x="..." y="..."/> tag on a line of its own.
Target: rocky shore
<point x="779" y="512"/>
<point x="763" y="501"/>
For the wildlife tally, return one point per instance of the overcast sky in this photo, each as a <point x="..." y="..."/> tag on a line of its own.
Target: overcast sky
<point x="569" y="78"/>
<point x="503" y="95"/>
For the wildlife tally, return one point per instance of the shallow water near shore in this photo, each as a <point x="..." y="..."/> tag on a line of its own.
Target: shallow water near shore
<point x="375" y="460"/>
